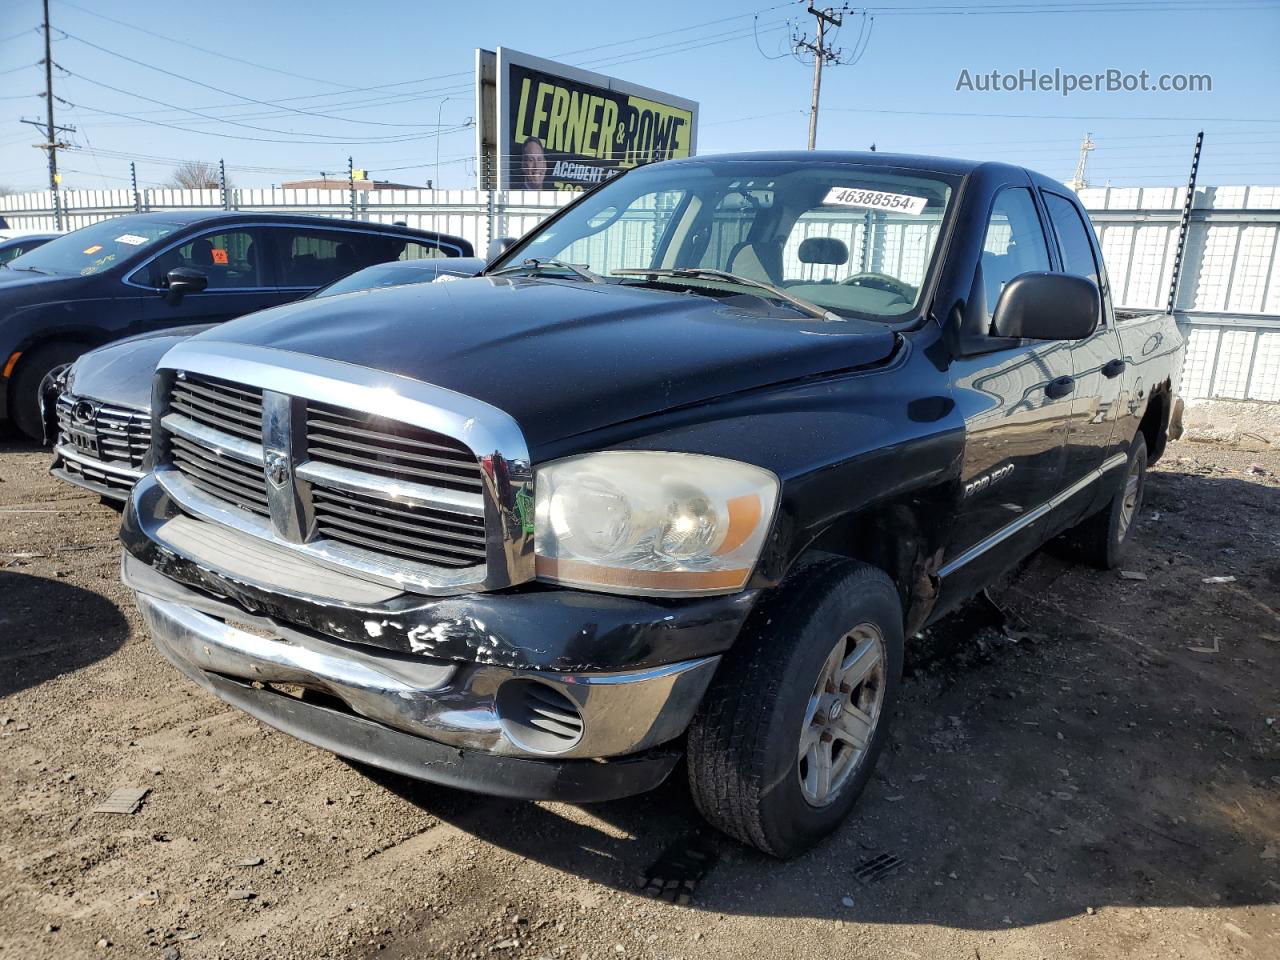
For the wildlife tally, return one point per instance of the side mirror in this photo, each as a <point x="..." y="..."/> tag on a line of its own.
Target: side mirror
<point x="1047" y="306"/>
<point x="181" y="281"/>
<point x="498" y="246"/>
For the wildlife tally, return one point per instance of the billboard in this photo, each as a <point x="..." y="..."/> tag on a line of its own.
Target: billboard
<point x="546" y="126"/>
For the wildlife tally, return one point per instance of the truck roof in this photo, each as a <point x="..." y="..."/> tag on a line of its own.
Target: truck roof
<point x="947" y="165"/>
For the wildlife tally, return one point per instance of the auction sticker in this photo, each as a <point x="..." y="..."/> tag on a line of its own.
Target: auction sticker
<point x="876" y="200"/>
<point x="219" y="257"/>
<point x="132" y="239"/>
<point x="89" y="251"/>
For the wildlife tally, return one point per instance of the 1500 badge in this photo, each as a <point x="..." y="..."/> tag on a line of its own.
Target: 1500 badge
<point x="981" y="483"/>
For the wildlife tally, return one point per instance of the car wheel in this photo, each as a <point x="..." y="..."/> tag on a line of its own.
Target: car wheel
<point x="1103" y="539"/>
<point x="32" y="369"/>
<point x="789" y="731"/>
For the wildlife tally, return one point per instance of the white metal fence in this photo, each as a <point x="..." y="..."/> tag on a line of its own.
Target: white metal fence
<point x="1228" y="302"/>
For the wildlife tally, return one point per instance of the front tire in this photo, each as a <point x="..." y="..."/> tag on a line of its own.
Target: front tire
<point x="35" y="366"/>
<point x="788" y="734"/>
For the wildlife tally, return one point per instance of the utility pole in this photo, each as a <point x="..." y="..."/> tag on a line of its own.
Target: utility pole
<point x="822" y="54"/>
<point x="1078" y="182"/>
<point x="51" y="130"/>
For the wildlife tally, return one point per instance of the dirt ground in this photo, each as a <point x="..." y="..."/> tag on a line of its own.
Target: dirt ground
<point x="1097" y="777"/>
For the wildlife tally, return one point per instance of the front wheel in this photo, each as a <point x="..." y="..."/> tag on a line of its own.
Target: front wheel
<point x="788" y="734"/>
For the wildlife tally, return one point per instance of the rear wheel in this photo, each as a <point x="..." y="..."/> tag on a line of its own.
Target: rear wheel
<point x="24" y="400"/>
<point x="1103" y="538"/>
<point x="788" y="734"/>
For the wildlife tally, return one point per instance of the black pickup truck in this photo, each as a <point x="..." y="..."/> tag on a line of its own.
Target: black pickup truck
<point x="680" y="473"/>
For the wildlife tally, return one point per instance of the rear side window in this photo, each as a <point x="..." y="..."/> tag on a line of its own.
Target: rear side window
<point x="313" y="257"/>
<point x="413" y="250"/>
<point x="1015" y="243"/>
<point x="1073" y="238"/>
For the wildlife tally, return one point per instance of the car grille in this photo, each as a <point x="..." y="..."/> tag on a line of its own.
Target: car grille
<point x="230" y="409"/>
<point x="123" y="435"/>
<point x="369" y="484"/>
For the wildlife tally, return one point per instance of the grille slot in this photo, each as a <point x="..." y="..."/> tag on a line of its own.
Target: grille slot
<point x="124" y="435"/>
<point x="224" y="406"/>
<point x="410" y="532"/>
<point x="386" y="448"/>
<point x="238" y="483"/>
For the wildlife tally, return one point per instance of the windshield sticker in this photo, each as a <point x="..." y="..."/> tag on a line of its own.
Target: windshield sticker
<point x="90" y="251"/>
<point x="219" y="257"/>
<point x="876" y="200"/>
<point x="132" y="239"/>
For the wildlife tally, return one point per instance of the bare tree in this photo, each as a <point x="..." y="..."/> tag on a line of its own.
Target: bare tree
<point x="5" y="190"/>
<point x="195" y="175"/>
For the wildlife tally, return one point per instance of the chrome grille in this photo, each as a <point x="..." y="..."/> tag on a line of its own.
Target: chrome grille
<point x="369" y="487"/>
<point x="229" y="407"/>
<point x="123" y="435"/>
<point x="385" y="448"/>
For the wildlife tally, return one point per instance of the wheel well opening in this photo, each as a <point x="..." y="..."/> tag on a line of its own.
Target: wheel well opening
<point x="1154" y="419"/>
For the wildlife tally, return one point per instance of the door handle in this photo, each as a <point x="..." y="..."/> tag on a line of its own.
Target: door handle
<point x="1062" y="387"/>
<point x="1114" y="368"/>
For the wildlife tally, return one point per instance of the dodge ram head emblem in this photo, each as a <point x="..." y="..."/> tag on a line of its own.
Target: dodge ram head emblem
<point x="278" y="470"/>
<point x="84" y="411"/>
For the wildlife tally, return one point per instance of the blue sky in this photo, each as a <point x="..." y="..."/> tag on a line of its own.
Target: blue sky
<point x="901" y="95"/>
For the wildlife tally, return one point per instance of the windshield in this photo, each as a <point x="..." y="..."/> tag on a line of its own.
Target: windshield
<point x="95" y="248"/>
<point x="850" y="238"/>
<point x="379" y="275"/>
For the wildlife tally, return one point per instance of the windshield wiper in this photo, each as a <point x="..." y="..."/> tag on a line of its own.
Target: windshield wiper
<point x="812" y="309"/>
<point x="535" y="264"/>
<point x="29" y="270"/>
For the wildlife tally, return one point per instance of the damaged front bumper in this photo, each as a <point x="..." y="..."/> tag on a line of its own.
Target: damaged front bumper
<point x="535" y="693"/>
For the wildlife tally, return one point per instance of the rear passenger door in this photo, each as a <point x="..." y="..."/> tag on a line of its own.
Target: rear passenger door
<point x="1015" y="398"/>
<point x="237" y="264"/>
<point x="1097" y="361"/>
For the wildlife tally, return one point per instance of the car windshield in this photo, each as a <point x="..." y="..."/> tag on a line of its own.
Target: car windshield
<point x="379" y="275"/>
<point x="852" y="239"/>
<point x="95" y="248"/>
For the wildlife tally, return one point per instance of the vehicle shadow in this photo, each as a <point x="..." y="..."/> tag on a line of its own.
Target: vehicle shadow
<point x="1063" y="751"/>
<point x="89" y="627"/>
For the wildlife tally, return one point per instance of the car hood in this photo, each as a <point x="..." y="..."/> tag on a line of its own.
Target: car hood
<point x="565" y="357"/>
<point x="18" y="288"/>
<point x="120" y="373"/>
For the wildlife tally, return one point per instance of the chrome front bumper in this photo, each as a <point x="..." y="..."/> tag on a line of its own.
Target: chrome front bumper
<point x="449" y="702"/>
<point x="111" y="480"/>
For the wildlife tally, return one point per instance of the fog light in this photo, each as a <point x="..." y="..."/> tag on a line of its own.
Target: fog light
<point x="537" y="717"/>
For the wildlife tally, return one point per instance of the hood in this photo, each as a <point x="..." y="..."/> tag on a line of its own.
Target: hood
<point x="565" y="357"/>
<point x="120" y="373"/>
<point x="18" y="288"/>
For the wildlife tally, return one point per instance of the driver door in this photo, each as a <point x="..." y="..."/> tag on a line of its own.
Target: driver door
<point x="238" y="266"/>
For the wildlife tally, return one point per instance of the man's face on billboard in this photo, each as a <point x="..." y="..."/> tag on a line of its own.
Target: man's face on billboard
<point x="533" y="163"/>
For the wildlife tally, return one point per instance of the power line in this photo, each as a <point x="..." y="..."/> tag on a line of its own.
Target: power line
<point x="1058" y="116"/>
<point x="213" y="53"/>
<point x="229" y="93"/>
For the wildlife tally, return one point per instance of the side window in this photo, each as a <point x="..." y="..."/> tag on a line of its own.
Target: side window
<point x="1073" y="237"/>
<point x="413" y="250"/>
<point x="232" y="260"/>
<point x="1015" y="243"/>
<point x="312" y="257"/>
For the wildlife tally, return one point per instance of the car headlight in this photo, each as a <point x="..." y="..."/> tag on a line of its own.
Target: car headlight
<point x="649" y="522"/>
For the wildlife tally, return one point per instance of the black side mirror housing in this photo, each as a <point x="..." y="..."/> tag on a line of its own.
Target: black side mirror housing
<point x="181" y="281"/>
<point x="498" y="246"/>
<point x="1047" y="306"/>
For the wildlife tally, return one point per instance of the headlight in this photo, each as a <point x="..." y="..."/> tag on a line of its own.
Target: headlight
<point x="650" y="522"/>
